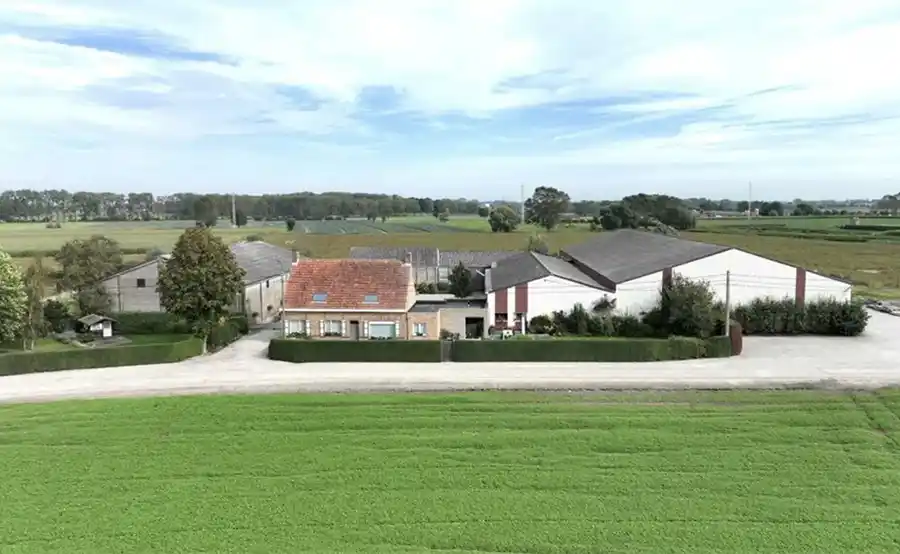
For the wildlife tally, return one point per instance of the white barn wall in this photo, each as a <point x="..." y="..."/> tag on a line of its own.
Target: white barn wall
<point x="258" y="297"/>
<point x="638" y="295"/>
<point x="752" y="277"/>
<point x="550" y="294"/>
<point x="819" y="287"/>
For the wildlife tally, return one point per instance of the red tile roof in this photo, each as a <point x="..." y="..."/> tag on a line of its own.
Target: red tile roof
<point x="346" y="283"/>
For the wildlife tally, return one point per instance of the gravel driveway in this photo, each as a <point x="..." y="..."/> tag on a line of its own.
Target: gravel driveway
<point x="872" y="360"/>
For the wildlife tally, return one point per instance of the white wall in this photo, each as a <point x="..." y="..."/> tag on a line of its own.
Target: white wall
<point x="752" y="277"/>
<point x="258" y="297"/>
<point x="546" y="296"/>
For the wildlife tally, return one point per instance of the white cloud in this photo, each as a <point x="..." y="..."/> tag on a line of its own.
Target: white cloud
<point x="825" y="59"/>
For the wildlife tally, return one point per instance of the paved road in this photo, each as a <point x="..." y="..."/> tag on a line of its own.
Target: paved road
<point x="872" y="360"/>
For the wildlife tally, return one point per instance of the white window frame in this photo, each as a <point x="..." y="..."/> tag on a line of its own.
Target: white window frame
<point x="396" y="327"/>
<point x="417" y="332"/>
<point x="296" y="326"/>
<point x="333" y="326"/>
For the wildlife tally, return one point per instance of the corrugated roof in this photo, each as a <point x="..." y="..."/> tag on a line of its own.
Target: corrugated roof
<point x="530" y="266"/>
<point x="474" y="258"/>
<point x="429" y="256"/>
<point x="420" y="255"/>
<point x="261" y="260"/>
<point x="621" y="256"/>
<point x="346" y="284"/>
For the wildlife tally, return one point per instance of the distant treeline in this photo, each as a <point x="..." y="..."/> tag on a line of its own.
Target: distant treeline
<point x="46" y="205"/>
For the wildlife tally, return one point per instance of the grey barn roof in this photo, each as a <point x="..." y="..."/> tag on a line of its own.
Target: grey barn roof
<point x="429" y="256"/>
<point x="621" y="256"/>
<point x="261" y="260"/>
<point x="473" y="259"/>
<point x="530" y="266"/>
<point x="420" y="255"/>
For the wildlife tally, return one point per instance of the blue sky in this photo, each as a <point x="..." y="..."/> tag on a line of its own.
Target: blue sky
<point x="452" y="97"/>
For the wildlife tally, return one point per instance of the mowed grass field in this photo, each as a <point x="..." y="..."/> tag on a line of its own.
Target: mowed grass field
<point x="724" y="472"/>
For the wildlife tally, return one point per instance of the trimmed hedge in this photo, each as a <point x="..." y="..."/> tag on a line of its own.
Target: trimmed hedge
<point x="149" y="323"/>
<point x="230" y="331"/>
<point x="54" y="252"/>
<point x="785" y="317"/>
<point x="587" y="350"/>
<point x="161" y="323"/>
<point x="871" y="227"/>
<point x="299" y="350"/>
<point x="515" y="350"/>
<point x="88" y="358"/>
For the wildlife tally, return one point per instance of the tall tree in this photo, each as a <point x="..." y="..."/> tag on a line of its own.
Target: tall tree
<point x="536" y="243"/>
<point x="201" y="280"/>
<point x="206" y="211"/>
<point x="546" y="206"/>
<point x="240" y="218"/>
<point x="12" y="299"/>
<point x="84" y="263"/>
<point x="35" y="324"/>
<point x="460" y="281"/>
<point x="503" y="219"/>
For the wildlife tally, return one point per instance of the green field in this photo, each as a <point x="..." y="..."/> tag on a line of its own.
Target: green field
<point x="871" y="259"/>
<point x="725" y="472"/>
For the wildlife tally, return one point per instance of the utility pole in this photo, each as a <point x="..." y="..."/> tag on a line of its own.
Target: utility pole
<point x="233" y="212"/>
<point x="728" y="303"/>
<point x="749" y="200"/>
<point x="522" y="200"/>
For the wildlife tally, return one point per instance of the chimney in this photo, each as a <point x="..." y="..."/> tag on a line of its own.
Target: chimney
<point x="295" y="254"/>
<point x="493" y="265"/>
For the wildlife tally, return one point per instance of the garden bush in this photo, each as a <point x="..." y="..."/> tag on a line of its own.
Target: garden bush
<point x="149" y="323"/>
<point x="299" y="351"/>
<point x="785" y="317"/>
<point x="870" y="227"/>
<point x="589" y="350"/>
<point x="87" y="358"/>
<point x="228" y="332"/>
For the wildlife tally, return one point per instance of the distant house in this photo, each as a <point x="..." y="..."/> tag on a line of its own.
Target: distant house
<point x="371" y="299"/>
<point x="266" y="267"/>
<point x="629" y="268"/>
<point x="431" y="265"/>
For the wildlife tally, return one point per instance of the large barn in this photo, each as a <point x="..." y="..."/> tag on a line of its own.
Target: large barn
<point x="629" y="267"/>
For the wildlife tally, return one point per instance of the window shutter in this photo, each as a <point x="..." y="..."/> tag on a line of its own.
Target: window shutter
<point x="344" y="328"/>
<point x="396" y="330"/>
<point x="366" y="329"/>
<point x="322" y="328"/>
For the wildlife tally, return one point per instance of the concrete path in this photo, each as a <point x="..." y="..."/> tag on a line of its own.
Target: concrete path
<point x="870" y="361"/>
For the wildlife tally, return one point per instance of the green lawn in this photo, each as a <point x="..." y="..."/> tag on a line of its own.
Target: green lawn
<point x="792" y="472"/>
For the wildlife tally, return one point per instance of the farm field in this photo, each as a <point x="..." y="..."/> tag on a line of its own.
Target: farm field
<point x="870" y="259"/>
<point x="793" y="472"/>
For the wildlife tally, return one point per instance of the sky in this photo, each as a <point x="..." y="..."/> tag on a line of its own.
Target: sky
<point x="453" y="97"/>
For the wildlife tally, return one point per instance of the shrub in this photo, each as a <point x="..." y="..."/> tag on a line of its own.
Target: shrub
<point x="686" y="308"/>
<point x="785" y="317"/>
<point x="87" y="358"/>
<point x="57" y="315"/>
<point x="587" y="350"/>
<point x="870" y="227"/>
<point x="300" y="351"/>
<point x="229" y="331"/>
<point x="150" y="323"/>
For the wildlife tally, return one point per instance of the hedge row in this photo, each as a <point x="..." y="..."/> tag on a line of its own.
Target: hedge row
<point x="516" y="350"/>
<point x="298" y="350"/>
<point x="52" y="253"/>
<point x="870" y="227"/>
<point x="88" y="358"/>
<point x="785" y="317"/>
<point x="161" y="323"/>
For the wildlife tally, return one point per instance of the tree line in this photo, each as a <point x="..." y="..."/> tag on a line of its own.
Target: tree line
<point x="62" y="205"/>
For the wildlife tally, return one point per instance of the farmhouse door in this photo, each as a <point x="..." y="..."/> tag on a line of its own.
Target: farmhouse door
<point x="354" y="330"/>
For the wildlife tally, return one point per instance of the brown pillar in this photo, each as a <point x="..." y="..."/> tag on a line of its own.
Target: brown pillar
<point x="800" y="287"/>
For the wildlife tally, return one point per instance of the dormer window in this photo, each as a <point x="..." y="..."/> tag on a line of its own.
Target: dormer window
<point x="320" y="297"/>
<point x="370" y="299"/>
